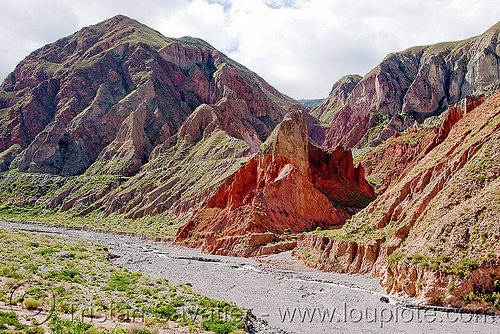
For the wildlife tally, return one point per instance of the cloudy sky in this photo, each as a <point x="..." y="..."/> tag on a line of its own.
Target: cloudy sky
<point x="299" y="46"/>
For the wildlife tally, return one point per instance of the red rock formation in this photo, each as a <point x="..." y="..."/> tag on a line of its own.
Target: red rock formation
<point x="333" y="172"/>
<point x="337" y="255"/>
<point x="389" y="163"/>
<point x="434" y="233"/>
<point x="291" y="186"/>
<point x="450" y="118"/>
<point x="473" y="101"/>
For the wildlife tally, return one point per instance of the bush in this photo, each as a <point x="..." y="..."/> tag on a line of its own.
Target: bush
<point x="394" y="258"/>
<point x="68" y="275"/>
<point x="68" y="308"/>
<point x="218" y="326"/>
<point x="65" y="326"/>
<point x="34" y="330"/>
<point x="139" y="330"/>
<point x="164" y="311"/>
<point x="10" y="319"/>
<point x="496" y="286"/>
<point x="119" y="282"/>
<point x="31" y="303"/>
<point x="46" y="251"/>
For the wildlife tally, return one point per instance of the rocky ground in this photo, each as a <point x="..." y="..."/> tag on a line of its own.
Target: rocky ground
<point x="290" y="299"/>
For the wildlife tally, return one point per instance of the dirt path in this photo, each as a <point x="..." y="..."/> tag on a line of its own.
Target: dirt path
<point x="298" y="301"/>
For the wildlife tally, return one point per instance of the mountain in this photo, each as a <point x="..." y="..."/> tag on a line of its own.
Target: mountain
<point x="433" y="234"/>
<point x="337" y="98"/>
<point x="138" y="124"/>
<point x="149" y="124"/>
<point x="109" y="97"/>
<point x="410" y="86"/>
<point x="311" y="103"/>
<point x="128" y="129"/>
<point x="289" y="187"/>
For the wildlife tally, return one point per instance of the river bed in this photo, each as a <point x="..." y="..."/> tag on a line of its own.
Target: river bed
<point x="290" y="301"/>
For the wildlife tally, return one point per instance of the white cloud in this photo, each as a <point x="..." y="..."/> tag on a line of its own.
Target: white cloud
<point x="27" y="25"/>
<point x="201" y="19"/>
<point x="300" y="46"/>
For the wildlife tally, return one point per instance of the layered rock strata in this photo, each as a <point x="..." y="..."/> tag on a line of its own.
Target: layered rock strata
<point x="388" y="163"/>
<point x="413" y="85"/>
<point x="434" y="234"/>
<point x="290" y="186"/>
<point x="103" y="99"/>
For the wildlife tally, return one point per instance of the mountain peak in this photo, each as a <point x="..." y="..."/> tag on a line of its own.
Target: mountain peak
<point x="124" y="77"/>
<point x="412" y="85"/>
<point x="289" y="139"/>
<point x="120" y="19"/>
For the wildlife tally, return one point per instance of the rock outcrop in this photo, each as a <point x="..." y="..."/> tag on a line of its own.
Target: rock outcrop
<point x="388" y="163"/>
<point x="473" y="101"/>
<point x="101" y="100"/>
<point x="434" y="233"/>
<point x="413" y="85"/>
<point x="290" y="186"/>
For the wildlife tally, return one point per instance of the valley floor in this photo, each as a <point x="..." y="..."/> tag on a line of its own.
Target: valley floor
<point x="290" y="298"/>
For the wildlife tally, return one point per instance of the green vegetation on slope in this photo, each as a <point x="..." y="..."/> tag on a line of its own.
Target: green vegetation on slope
<point x="182" y="173"/>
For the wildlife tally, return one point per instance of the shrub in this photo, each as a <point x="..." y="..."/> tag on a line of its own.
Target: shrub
<point x="46" y="251"/>
<point x="31" y="303"/>
<point x="10" y="319"/>
<point x="139" y="330"/>
<point x="218" y="326"/>
<point x="65" y="326"/>
<point x="119" y="282"/>
<point x="394" y="258"/>
<point x="164" y="311"/>
<point x="69" y="275"/>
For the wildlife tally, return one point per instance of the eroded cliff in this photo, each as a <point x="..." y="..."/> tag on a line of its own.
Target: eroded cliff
<point x="412" y="85"/>
<point x="434" y="233"/>
<point x="289" y="187"/>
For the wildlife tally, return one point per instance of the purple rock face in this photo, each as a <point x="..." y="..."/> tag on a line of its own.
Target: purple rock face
<point x="101" y="100"/>
<point x="416" y="84"/>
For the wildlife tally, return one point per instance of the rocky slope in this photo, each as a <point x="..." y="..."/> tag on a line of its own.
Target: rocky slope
<point x="289" y="187"/>
<point x="337" y="98"/>
<point x="412" y="85"/>
<point x="434" y="234"/>
<point x="104" y="99"/>
<point x="388" y="163"/>
<point x="174" y="117"/>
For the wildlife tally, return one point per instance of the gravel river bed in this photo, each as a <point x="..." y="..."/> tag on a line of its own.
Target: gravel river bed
<point x="286" y="299"/>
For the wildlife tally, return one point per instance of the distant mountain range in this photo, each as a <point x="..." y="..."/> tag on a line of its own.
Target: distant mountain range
<point x="311" y="103"/>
